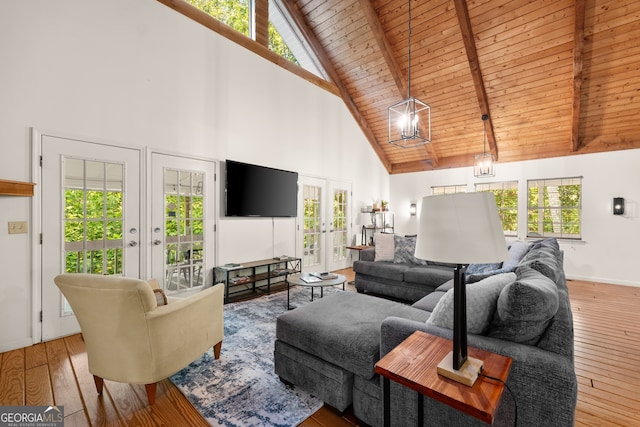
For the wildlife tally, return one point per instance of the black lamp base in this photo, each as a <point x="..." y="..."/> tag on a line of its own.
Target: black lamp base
<point x="467" y="374"/>
<point x="457" y="366"/>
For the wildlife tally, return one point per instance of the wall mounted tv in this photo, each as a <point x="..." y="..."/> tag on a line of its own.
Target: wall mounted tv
<point x="252" y="190"/>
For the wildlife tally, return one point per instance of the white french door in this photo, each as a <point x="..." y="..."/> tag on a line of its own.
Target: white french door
<point x="339" y="212"/>
<point x="325" y="212"/>
<point x="90" y="202"/>
<point x="182" y="221"/>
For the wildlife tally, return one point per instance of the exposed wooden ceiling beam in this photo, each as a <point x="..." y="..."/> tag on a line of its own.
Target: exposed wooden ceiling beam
<point x="578" y="49"/>
<point x="472" y="56"/>
<point x="299" y="20"/>
<point x="396" y="73"/>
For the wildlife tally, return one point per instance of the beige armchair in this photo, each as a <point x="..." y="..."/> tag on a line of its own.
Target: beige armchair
<point x="130" y="339"/>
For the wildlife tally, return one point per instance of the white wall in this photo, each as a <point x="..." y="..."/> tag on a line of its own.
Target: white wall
<point x="609" y="250"/>
<point x="137" y="73"/>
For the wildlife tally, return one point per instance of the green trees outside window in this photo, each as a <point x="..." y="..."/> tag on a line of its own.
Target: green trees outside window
<point x="237" y="15"/>
<point x="554" y="208"/>
<point x="506" y="195"/>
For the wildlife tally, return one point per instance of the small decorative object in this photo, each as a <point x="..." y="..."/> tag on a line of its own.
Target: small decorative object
<point x="383" y="205"/>
<point x="375" y="207"/>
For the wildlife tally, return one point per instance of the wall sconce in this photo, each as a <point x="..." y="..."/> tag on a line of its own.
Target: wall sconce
<point x="413" y="208"/>
<point x="618" y="205"/>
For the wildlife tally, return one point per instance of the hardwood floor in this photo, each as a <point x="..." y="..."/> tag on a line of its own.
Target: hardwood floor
<point x="607" y="348"/>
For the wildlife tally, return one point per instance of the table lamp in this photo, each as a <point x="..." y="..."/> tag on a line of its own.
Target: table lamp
<point x="460" y="229"/>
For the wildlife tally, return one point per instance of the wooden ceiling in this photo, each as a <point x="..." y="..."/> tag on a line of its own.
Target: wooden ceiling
<point x="555" y="77"/>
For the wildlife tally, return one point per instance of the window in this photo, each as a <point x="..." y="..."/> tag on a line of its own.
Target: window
<point x="234" y="13"/>
<point x="506" y="194"/>
<point x="554" y="208"/>
<point x="448" y="189"/>
<point x="284" y="38"/>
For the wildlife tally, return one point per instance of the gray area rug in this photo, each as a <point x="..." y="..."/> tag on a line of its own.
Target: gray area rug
<point x="241" y="388"/>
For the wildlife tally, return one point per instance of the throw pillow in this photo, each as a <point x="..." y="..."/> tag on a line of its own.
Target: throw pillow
<point x="517" y="250"/>
<point x="384" y="247"/>
<point x="161" y="298"/>
<point x="404" y="250"/>
<point x="525" y="307"/>
<point x="482" y="298"/>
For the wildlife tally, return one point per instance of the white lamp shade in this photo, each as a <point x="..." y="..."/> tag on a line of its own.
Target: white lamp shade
<point x="461" y="228"/>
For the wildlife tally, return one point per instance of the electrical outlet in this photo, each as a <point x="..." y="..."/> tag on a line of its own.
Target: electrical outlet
<point x="18" y="227"/>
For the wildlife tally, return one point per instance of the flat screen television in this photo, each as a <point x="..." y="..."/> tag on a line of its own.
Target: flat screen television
<point x="260" y="191"/>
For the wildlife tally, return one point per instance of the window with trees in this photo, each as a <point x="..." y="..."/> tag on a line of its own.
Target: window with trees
<point x="448" y="189"/>
<point x="243" y="16"/>
<point x="506" y="195"/>
<point x="554" y="208"/>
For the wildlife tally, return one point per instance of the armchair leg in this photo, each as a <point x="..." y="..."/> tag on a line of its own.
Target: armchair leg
<point x="151" y="392"/>
<point x="99" y="384"/>
<point x="216" y="350"/>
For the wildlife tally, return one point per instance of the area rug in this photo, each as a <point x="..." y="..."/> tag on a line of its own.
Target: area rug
<point x="241" y="388"/>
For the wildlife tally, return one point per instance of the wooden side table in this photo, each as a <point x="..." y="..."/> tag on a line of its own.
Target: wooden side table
<point x="413" y="364"/>
<point x="359" y="248"/>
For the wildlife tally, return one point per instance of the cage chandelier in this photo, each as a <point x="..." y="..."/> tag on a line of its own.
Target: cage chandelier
<point x="409" y="120"/>
<point x="484" y="164"/>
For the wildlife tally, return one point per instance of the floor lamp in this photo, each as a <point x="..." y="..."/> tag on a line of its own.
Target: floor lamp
<point x="460" y="229"/>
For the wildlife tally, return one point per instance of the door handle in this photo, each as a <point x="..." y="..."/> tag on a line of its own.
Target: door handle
<point x="133" y="243"/>
<point x="157" y="242"/>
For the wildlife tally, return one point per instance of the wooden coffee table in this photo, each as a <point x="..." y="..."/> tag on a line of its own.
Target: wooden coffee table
<point x="296" y="279"/>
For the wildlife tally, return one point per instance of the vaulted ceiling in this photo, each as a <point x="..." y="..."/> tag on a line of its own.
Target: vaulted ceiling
<point x="555" y="77"/>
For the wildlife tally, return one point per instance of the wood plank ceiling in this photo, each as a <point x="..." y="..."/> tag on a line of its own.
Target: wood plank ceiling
<point x="556" y="77"/>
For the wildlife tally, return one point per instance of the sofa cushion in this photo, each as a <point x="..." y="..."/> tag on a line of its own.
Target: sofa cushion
<point x="482" y="298"/>
<point x="429" y="302"/>
<point x="381" y="269"/>
<point x="384" y="247"/>
<point x="544" y="257"/>
<point x="525" y="307"/>
<point x="431" y="275"/>
<point x="445" y="286"/>
<point x="343" y="328"/>
<point x="405" y="248"/>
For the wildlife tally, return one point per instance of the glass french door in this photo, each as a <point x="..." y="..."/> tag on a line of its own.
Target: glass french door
<point x="340" y="225"/>
<point x="325" y="215"/>
<point x="183" y="217"/>
<point x="90" y="205"/>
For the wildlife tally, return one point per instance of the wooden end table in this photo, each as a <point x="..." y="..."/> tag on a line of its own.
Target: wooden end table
<point x="414" y="363"/>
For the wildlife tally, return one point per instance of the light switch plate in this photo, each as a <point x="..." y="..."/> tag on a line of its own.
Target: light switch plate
<point x="18" y="227"/>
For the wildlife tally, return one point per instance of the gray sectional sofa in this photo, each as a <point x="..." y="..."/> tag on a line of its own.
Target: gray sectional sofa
<point x="401" y="276"/>
<point x="329" y="347"/>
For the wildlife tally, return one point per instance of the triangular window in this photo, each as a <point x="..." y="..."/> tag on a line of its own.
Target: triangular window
<point x="285" y="38"/>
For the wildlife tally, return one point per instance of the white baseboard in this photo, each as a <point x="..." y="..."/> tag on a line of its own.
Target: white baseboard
<point x="604" y="280"/>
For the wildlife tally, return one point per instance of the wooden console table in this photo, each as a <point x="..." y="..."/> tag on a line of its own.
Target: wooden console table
<point x="413" y="364"/>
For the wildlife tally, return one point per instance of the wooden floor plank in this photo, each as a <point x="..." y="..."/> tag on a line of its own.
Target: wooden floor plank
<point x="36" y="355"/>
<point x="12" y="385"/>
<point x="37" y="386"/>
<point x="607" y="340"/>
<point x="100" y="410"/>
<point x="63" y="378"/>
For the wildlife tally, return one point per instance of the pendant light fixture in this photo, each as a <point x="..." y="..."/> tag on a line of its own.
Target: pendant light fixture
<point x="483" y="166"/>
<point x="409" y="120"/>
